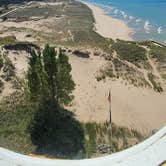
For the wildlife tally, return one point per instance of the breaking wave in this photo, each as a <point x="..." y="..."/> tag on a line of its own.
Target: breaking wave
<point x="159" y="30"/>
<point x="147" y="26"/>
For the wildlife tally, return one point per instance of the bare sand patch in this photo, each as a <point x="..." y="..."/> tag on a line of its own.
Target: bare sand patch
<point x="139" y="108"/>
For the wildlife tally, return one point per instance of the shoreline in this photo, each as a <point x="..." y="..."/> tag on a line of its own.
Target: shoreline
<point x="107" y="26"/>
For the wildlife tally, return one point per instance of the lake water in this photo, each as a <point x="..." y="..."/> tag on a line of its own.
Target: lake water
<point x="147" y="17"/>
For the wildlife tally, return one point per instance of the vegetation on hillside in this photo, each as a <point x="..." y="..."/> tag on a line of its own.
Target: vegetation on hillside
<point x="131" y="60"/>
<point x="156" y="86"/>
<point x="130" y="51"/>
<point x="7" y="40"/>
<point x="53" y="129"/>
<point x="49" y="76"/>
<point x="36" y="116"/>
<point x="34" y="120"/>
<point x="97" y="138"/>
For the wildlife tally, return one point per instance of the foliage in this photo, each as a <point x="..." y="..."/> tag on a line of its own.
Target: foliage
<point x="8" y="69"/>
<point x="65" y="84"/>
<point x="158" y="52"/>
<point x="33" y="75"/>
<point x="16" y="113"/>
<point x="156" y="86"/>
<point x="32" y="127"/>
<point x="50" y="68"/>
<point x="97" y="134"/>
<point x="49" y="76"/>
<point x="1" y="62"/>
<point x="50" y="85"/>
<point x="7" y="40"/>
<point x="1" y="85"/>
<point x="130" y="51"/>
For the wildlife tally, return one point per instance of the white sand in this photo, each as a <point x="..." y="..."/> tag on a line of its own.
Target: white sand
<point x="109" y="27"/>
<point x="138" y="108"/>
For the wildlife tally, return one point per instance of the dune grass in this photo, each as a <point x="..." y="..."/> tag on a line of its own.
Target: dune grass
<point x="7" y="40"/>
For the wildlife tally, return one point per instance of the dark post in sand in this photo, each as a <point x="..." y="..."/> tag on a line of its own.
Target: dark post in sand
<point x="110" y="121"/>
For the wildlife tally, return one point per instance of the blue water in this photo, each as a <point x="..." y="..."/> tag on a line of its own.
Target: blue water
<point x="147" y="17"/>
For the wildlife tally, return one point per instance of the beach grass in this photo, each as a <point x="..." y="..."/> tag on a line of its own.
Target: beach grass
<point x="98" y="135"/>
<point x="7" y="40"/>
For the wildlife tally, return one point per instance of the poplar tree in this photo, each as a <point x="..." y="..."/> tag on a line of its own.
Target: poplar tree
<point x="50" y="67"/>
<point x="49" y="76"/>
<point x="33" y="77"/>
<point x="65" y="84"/>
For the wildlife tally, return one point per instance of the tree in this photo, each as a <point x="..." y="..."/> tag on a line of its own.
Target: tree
<point x="49" y="76"/>
<point x="50" y="67"/>
<point x="65" y="84"/>
<point x="49" y="79"/>
<point x="34" y="82"/>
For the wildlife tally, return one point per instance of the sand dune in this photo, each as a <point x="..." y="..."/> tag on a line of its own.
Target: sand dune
<point x="139" y="108"/>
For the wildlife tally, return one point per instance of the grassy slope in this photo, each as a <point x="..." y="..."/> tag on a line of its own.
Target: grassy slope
<point x="16" y="114"/>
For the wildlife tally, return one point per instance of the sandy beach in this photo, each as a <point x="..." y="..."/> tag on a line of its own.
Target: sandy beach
<point x="109" y="27"/>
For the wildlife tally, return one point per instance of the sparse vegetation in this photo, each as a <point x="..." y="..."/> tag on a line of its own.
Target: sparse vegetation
<point x="124" y="71"/>
<point x="8" y="70"/>
<point x="130" y="51"/>
<point x="156" y="86"/>
<point x="1" y="85"/>
<point x="106" y="72"/>
<point x="7" y="40"/>
<point x="98" y="134"/>
<point x="1" y="62"/>
<point x="158" y="53"/>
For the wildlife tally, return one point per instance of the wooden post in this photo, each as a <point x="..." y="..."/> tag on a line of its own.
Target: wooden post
<point x="110" y="129"/>
<point x="110" y="121"/>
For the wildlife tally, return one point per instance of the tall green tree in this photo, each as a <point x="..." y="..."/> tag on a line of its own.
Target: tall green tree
<point x="65" y="84"/>
<point x="49" y="76"/>
<point x="34" y="81"/>
<point x="50" y="67"/>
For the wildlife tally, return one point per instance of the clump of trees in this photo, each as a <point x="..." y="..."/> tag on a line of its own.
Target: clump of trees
<point x="49" y="76"/>
<point x="53" y="129"/>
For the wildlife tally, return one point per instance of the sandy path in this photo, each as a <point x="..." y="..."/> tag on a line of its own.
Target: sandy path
<point x="133" y="107"/>
<point x="109" y="27"/>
